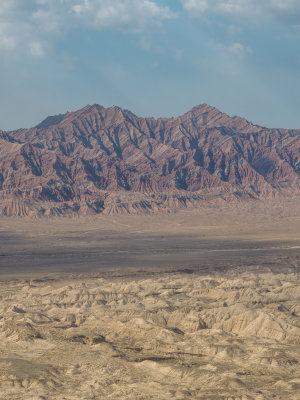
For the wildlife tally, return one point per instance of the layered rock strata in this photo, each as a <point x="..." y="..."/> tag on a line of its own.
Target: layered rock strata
<point x="108" y="160"/>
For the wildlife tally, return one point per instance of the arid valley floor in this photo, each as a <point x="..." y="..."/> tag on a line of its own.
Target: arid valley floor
<point x="201" y="304"/>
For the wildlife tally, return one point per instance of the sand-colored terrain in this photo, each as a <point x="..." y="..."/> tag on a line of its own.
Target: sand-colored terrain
<point x="170" y="337"/>
<point x="203" y="304"/>
<point x="203" y="239"/>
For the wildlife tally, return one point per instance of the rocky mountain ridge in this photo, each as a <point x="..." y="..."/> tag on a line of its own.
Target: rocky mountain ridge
<point x="107" y="160"/>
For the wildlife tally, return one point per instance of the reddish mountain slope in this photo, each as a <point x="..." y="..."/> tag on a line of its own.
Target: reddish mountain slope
<point x="110" y="160"/>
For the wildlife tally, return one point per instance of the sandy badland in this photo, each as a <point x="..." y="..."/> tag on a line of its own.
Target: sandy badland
<point x="230" y="331"/>
<point x="173" y="337"/>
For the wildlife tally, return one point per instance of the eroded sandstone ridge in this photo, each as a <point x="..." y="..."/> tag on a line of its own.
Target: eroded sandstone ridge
<point x="99" y="160"/>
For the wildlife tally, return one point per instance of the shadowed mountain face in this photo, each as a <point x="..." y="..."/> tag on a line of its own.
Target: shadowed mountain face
<point x="99" y="160"/>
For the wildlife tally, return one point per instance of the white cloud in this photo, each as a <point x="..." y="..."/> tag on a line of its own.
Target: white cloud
<point x="48" y="21"/>
<point x="238" y="48"/>
<point x="36" y="49"/>
<point x="8" y="41"/>
<point x="32" y="23"/>
<point x="285" y="10"/>
<point x="128" y="15"/>
<point x="145" y="44"/>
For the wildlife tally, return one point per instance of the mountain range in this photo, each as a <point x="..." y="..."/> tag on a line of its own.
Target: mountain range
<point x="108" y="160"/>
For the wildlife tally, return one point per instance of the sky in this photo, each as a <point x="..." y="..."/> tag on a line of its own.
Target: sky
<point x="154" y="57"/>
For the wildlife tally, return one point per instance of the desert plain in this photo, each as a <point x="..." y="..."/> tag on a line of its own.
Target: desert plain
<point x="198" y="304"/>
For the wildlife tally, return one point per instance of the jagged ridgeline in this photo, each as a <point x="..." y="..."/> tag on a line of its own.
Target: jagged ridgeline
<point x="108" y="160"/>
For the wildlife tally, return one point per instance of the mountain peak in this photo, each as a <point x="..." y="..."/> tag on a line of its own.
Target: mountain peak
<point x="204" y="108"/>
<point x="209" y="115"/>
<point x="100" y="159"/>
<point x="50" y="121"/>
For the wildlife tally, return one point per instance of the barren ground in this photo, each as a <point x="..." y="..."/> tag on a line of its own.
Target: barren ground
<point x="202" y="304"/>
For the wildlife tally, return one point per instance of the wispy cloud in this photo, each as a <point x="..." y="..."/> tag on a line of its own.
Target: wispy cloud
<point x="239" y="48"/>
<point x="127" y="15"/>
<point x="250" y="10"/>
<point x="29" y="24"/>
<point x="145" y="44"/>
<point x="8" y="40"/>
<point x="36" y="49"/>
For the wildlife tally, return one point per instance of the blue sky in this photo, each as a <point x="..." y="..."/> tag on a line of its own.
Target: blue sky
<point x="154" y="57"/>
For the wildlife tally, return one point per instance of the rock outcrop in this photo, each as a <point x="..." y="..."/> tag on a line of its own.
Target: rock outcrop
<point x="107" y="160"/>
